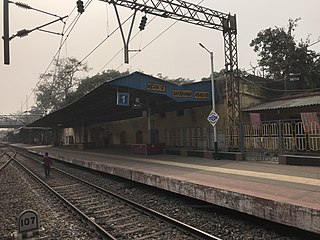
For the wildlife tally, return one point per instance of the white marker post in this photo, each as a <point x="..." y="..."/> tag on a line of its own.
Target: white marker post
<point x="28" y="223"/>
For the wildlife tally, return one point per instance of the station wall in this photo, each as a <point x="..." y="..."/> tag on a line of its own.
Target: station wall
<point x="135" y="131"/>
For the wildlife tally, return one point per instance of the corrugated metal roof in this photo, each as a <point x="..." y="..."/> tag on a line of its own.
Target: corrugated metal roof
<point x="286" y="103"/>
<point x="100" y="104"/>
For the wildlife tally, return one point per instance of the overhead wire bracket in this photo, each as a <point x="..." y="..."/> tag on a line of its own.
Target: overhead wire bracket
<point x="24" y="32"/>
<point x="125" y="42"/>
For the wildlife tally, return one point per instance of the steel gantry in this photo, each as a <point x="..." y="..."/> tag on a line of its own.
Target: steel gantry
<point x="204" y="17"/>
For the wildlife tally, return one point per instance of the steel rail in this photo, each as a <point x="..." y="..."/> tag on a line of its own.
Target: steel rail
<point x="97" y="227"/>
<point x="150" y="212"/>
<point x="182" y="226"/>
<point x="6" y="162"/>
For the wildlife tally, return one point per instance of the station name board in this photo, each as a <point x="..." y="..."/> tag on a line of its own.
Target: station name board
<point x="156" y="87"/>
<point x="182" y="93"/>
<point x="202" y="95"/>
<point x="178" y="93"/>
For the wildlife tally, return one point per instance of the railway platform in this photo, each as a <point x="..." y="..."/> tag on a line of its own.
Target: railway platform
<point x="285" y="194"/>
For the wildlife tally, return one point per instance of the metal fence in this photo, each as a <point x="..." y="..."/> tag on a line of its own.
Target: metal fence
<point x="265" y="141"/>
<point x="194" y="138"/>
<point x="283" y="136"/>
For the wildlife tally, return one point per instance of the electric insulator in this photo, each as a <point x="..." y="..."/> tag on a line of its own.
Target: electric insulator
<point x="143" y="23"/>
<point x="80" y="6"/>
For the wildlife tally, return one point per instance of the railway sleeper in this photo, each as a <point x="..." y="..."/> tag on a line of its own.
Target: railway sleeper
<point x="150" y="236"/>
<point x="121" y="218"/>
<point x="134" y="230"/>
<point x="107" y="210"/>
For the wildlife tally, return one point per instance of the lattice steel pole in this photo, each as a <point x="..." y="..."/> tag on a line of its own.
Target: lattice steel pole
<point x="232" y="83"/>
<point x="204" y="17"/>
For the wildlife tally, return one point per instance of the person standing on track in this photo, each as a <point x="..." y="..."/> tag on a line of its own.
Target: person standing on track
<point x="47" y="163"/>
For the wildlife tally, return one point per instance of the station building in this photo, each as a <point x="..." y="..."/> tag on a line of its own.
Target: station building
<point x="136" y="109"/>
<point x="146" y="114"/>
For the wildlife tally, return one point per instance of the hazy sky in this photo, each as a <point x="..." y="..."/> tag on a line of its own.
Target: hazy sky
<point x="175" y="53"/>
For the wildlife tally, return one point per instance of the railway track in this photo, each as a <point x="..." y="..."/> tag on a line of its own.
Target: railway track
<point x="111" y="215"/>
<point x="21" y="191"/>
<point x="4" y="158"/>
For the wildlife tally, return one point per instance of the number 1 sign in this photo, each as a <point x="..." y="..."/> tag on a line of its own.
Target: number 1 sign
<point x="122" y="99"/>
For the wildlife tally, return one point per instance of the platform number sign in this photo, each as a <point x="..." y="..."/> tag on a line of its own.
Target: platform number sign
<point x="122" y="99"/>
<point x="28" y="220"/>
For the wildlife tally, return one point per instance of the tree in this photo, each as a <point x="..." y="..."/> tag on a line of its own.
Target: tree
<point x="178" y="81"/>
<point x="216" y="75"/>
<point x="88" y="84"/>
<point x="52" y="91"/>
<point x="280" y="55"/>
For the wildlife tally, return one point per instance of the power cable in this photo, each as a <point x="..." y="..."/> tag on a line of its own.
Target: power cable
<point x="154" y="39"/>
<point x="72" y="25"/>
<point x="122" y="48"/>
<point x="76" y="20"/>
<point x="26" y="6"/>
<point x="314" y="43"/>
<point x="62" y="42"/>
<point x="51" y="62"/>
<point x="94" y="49"/>
<point x="279" y="90"/>
<point x="144" y="46"/>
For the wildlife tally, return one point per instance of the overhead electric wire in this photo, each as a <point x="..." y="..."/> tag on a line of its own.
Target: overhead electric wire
<point x="51" y="62"/>
<point x="314" y="43"/>
<point x="279" y="90"/>
<point x="26" y="6"/>
<point x="72" y="25"/>
<point x="154" y="39"/>
<point x="104" y="40"/>
<point x="76" y="20"/>
<point x="122" y="48"/>
<point x="165" y="30"/>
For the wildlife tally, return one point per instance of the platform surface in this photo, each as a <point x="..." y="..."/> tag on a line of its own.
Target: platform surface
<point x="287" y="190"/>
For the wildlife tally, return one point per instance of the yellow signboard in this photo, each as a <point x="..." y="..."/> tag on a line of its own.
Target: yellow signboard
<point x="182" y="93"/>
<point x="202" y="95"/>
<point x="156" y="87"/>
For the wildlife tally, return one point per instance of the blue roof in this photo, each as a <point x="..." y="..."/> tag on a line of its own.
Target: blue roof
<point x="198" y="91"/>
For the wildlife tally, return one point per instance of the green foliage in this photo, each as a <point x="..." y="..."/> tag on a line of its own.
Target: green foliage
<point x="53" y="87"/>
<point x="89" y="83"/>
<point x="178" y="81"/>
<point x="216" y="75"/>
<point x="280" y="55"/>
